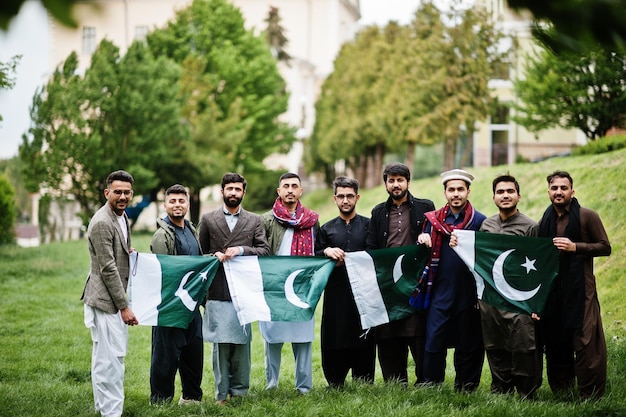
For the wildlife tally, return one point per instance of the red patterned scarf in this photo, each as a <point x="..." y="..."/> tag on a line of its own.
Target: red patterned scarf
<point x="302" y="221"/>
<point x="421" y="297"/>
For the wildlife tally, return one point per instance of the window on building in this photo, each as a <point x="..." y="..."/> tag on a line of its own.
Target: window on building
<point x="89" y="39"/>
<point x="500" y="115"/>
<point x="500" y="147"/>
<point x="501" y="71"/>
<point x="141" y="32"/>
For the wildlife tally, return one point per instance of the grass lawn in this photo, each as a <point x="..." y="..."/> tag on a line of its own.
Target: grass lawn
<point x="45" y="349"/>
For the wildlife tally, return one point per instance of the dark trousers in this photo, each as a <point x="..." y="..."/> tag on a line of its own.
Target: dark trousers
<point x="568" y="360"/>
<point x="181" y="350"/>
<point x="393" y="358"/>
<point x="468" y="367"/>
<point x="336" y="363"/>
<point x="515" y="370"/>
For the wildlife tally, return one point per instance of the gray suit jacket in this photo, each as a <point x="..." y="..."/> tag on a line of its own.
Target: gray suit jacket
<point x="106" y="284"/>
<point x="215" y="236"/>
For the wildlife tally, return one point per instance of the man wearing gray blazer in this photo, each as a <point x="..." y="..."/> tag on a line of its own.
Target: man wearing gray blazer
<point x="225" y="233"/>
<point x="106" y="309"/>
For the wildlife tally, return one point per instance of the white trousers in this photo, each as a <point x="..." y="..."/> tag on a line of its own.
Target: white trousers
<point x="110" y="338"/>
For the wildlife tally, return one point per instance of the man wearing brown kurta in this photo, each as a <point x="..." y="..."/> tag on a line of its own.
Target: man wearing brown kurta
<point x="572" y="326"/>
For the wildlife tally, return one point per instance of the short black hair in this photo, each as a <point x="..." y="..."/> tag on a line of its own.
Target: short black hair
<point x="119" y="175"/>
<point x="346" y="182"/>
<point x="231" y="177"/>
<point x="504" y="178"/>
<point x="176" y="189"/>
<point x="396" y="168"/>
<point x="287" y="175"/>
<point x="560" y="174"/>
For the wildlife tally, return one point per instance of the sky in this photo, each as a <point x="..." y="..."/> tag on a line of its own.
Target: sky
<point x="28" y="36"/>
<point x="382" y="11"/>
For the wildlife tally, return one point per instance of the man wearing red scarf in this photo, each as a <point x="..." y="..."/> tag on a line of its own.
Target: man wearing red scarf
<point x="291" y="229"/>
<point x="452" y="315"/>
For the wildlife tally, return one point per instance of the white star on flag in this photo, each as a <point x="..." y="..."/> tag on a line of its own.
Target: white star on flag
<point x="204" y="277"/>
<point x="529" y="265"/>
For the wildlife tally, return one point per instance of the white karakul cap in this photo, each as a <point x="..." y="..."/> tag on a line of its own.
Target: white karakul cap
<point x="456" y="174"/>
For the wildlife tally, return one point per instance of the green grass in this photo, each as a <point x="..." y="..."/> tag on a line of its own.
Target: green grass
<point x="45" y="348"/>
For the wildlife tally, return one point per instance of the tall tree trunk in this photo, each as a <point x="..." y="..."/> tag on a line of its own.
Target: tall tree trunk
<point x="468" y="149"/>
<point x="449" y="152"/>
<point x="359" y="167"/>
<point x="410" y="156"/>
<point x="194" y="206"/>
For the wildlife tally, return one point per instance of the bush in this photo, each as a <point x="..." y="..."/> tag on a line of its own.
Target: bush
<point x="602" y="145"/>
<point x="8" y="212"/>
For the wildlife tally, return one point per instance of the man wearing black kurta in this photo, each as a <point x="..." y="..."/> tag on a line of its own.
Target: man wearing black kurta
<point x="344" y="345"/>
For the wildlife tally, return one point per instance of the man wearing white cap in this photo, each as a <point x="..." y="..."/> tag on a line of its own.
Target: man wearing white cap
<point x="452" y="318"/>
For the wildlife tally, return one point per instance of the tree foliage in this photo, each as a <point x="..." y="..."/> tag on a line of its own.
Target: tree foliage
<point x="124" y="113"/>
<point x="401" y="86"/>
<point x="578" y="24"/>
<point x="275" y="36"/>
<point x="61" y="10"/>
<point x="7" y="73"/>
<point x="581" y="90"/>
<point x="8" y="212"/>
<point x="232" y="91"/>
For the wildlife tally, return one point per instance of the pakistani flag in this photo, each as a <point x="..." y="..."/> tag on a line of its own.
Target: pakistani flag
<point x="382" y="281"/>
<point x="512" y="273"/>
<point x="276" y="288"/>
<point x="165" y="290"/>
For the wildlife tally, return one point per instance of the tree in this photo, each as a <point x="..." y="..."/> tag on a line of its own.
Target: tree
<point x="403" y="86"/>
<point x="232" y="90"/>
<point x="123" y="113"/>
<point x="61" y="10"/>
<point x="8" y="213"/>
<point x="578" y="24"/>
<point x="581" y="90"/>
<point x="7" y="71"/>
<point x="275" y="36"/>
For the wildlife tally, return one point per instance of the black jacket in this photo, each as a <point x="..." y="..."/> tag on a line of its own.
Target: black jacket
<point x="379" y="223"/>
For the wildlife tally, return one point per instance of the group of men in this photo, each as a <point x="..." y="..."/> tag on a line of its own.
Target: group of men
<point x="570" y="330"/>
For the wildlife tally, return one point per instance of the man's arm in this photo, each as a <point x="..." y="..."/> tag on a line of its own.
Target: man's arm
<point x="259" y="246"/>
<point x="597" y="241"/>
<point x="204" y="235"/>
<point x="158" y="244"/>
<point x="371" y="242"/>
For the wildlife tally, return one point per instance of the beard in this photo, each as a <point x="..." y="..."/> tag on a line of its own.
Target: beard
<point x="232" y="202"/>
<point x="398" y="196"/>
<point x="347" y="211"/>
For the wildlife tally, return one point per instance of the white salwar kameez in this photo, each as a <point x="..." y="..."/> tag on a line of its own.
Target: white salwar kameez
<point x="109" y="334"/>
<point x="299" y="334"/>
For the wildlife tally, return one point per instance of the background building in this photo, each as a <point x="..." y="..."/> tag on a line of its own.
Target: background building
<point x="499" y="140"/>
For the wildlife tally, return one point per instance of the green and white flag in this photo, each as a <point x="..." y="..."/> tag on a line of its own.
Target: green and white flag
<point x="276" y="288"/>
<point x="512" y="273"/>
<point x="165" y="290"/>
<point x="382" y="281"/>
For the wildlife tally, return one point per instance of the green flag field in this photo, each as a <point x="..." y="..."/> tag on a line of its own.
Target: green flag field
<point x="45" y="349"/>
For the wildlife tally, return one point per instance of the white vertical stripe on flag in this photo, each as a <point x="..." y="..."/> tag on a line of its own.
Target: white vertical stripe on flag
<point x="369" y="301"/>
<point x="245" y="283"/>
<point x="465" y="249"/>
<point x="145" y="280"/>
